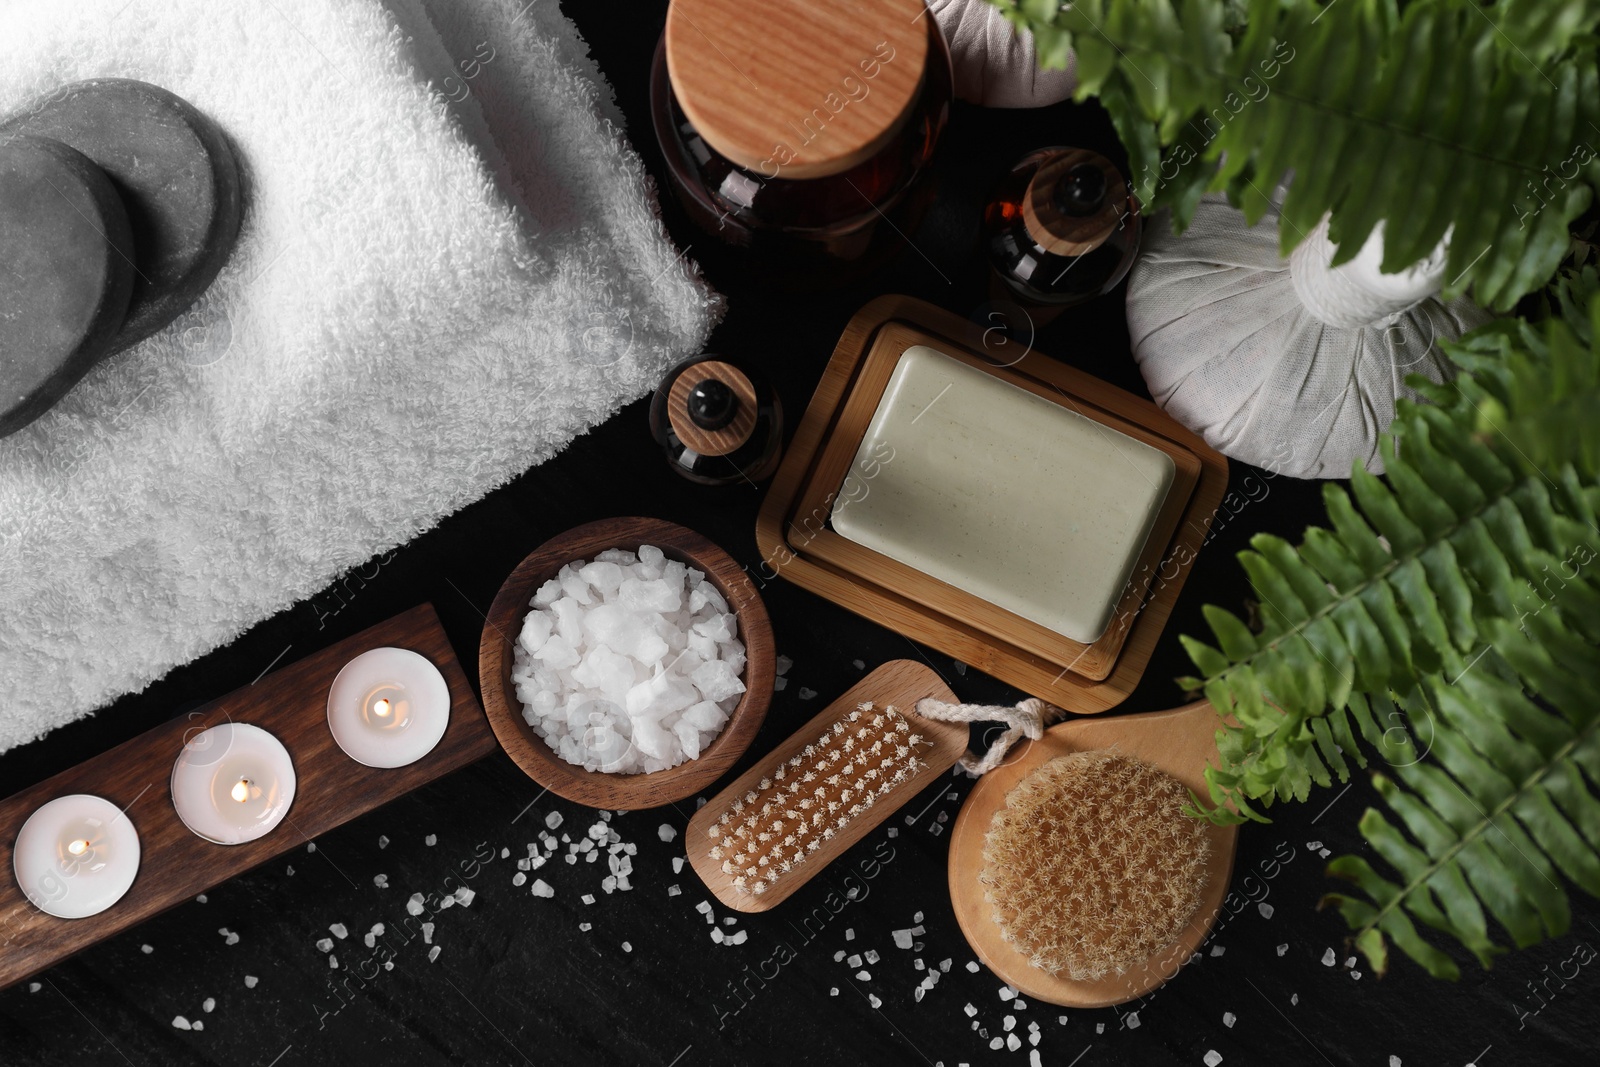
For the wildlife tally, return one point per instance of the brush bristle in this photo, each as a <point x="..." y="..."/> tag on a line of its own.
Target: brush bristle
<point x="855" y="763"/>
<point x="1091" y="867"/>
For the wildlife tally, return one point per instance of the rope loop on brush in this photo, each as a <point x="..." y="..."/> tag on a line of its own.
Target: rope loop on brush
<point x="1027" y="719"/>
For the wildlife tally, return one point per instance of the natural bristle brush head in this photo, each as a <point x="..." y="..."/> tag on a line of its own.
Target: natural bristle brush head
<point x="789" y="814"/>
<point x="1091" y="867"/>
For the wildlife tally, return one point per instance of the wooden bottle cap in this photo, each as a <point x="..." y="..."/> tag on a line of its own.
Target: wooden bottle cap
<point x="1072" y="235"/>
<point x="797" y="88"/>
<point x="717" y="442"/>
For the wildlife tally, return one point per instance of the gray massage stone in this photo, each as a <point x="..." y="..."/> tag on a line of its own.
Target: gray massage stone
<point x="177" y="176"/>
<point x="66" y="273"/>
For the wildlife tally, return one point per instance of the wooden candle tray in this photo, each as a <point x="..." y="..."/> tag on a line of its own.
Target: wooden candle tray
<point x="331" y="789"/>
<point x="796" y="541"/>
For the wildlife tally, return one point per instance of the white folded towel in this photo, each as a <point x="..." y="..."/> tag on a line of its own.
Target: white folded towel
<point x="411" y="319"/>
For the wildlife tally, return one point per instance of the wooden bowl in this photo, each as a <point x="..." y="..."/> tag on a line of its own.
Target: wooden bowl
<point x="599" y="789"/>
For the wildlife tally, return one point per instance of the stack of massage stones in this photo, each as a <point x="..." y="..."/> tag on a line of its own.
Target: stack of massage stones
<point x="119" y="205"/>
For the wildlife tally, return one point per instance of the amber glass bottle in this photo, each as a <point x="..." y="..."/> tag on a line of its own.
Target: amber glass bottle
<point x="1062" y="228"/>
<point x="719" y="421"/>
<point x="802" y="131"/>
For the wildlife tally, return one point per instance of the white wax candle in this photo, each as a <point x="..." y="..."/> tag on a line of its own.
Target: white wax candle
<point x="76" y="856"/>
<point x="388" y="707"/>
<point x="233" y="783"/>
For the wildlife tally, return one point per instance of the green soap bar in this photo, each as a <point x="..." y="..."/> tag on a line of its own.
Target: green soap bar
<point x="66" y="273"/>
<point x="177" y="176"/>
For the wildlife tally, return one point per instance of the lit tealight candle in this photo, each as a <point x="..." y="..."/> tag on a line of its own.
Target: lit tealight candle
<point x="76" y="856"/>
<point x="388" y="707"/>
<point x="233" y="783"/>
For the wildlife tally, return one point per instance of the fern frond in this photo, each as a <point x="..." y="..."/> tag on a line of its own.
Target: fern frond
<point x="1448" y="622"/>
<point x="1444" y="117"/>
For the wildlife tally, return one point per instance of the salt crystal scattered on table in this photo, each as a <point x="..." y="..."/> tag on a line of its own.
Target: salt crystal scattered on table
<point x="731" y="920"/>
<point x="333" y="963"/>
<point x="208" y="1004"/>
<point x="1394" y="1061"/>
<point x="433" y="953"/>
<point x="894" y="831"/>
<point x="1217" y="950"/>
<point x="147" y="949"/>
<point x="779" y="684"/>
<point x="1009" y="1023"/>
<point x="872" y="955"/>
<point x="181" y="1023"/>
<point x="673" y="891"/>
<point x="1329" y="959"/>
<point x="553" y="821"/>
<point x="716" y="935"/>
<point x="383" y="842"/>
<point x="872" y="998"/>
<point x="1356" y="975"/>
<point x="961" y="668"/>
<point x="1351" y="962"/>
<point x="666" y="832"/>
<point x="807" y="693"/>
<point x="228" y="936"/>
<point x="1013" y="1042"/>
<point x="850" y="933"/>
<point x="1229" y="1018"/>
<point x="833" y="992"/>
<point x="1007" y="993"/>
<point x="1294" y="998"/>
<point x="505" y="853"/>
<point x="290" y="870"/>
<point x="519" y="879"/>
<point x="1033" y="1059"/>
<point x="972" y="965"/>
<point x="781" y="665"/>
<point x="427" y="933"/>
<point x="250" y="981"/>
<point x="587" y="898"/>
<point x="1313" y="845"/>
<point x="198" y="1025"/>
<point x="1099" y="1028"/>
<point x="1265" y="909"/>
<point x="1061" y="1019"/>
<point x="572" y="857"/>
<point x="1283" y="948"/>
<point x="541" y="888"/>
<point x="970" y="1009"/>
<point x="944" y="965"/>
<point x="859" y="664"/>
<point x="1131" y="1020"/>
<point x="1212" y="1058"/>
<point x="739" y="937"/>
<point x="918" y="964"/>
<point x="201" y="899"/>
<point x="381" y="881"/>
<point x="854" y="961"/>
<point x="34" y="987"/>
<point x="902" y="938"/>
<point x="585" y="927"/>
<point x="465" y="896"/>
<point x="997" y="1043"/>
<point x="338" y="930"/>
<point x="864" y="976"/>
<point x="1324" y="854"/>
<point x="677" y="865"/>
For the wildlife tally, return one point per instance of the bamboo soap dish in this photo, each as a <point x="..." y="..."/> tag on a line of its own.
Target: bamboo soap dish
<point x="808" y="532"/>
<point x="825" y="788"/>
<point x="1181" y="742"/>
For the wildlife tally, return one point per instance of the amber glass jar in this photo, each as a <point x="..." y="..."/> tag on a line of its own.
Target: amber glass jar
<point x="1062" y="228"/>
<point x="719" y="421"/>
<point x="802" y="131"/>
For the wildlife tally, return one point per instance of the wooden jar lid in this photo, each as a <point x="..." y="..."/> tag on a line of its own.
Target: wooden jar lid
<point x="713" y="442"/>
<point x="1072" y="235"/>
<point x="797" y="88"/>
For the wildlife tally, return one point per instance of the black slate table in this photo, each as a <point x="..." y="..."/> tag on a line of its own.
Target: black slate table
<point x="635" y="977"/>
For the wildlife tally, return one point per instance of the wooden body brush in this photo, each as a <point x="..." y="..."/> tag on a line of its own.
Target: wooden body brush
<point x="1180" y="743"/>
<point x="825" y="788"/>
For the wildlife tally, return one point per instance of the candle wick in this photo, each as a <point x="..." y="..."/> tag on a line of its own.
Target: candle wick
<point x="241" y="790"/>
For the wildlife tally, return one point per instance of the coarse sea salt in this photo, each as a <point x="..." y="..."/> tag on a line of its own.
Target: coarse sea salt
<point x="629" y="663"/>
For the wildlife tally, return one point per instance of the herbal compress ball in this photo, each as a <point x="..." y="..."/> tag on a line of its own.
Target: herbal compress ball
<point x="1091" y="866"/>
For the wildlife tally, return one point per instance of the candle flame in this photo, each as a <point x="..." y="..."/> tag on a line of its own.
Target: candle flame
<point x="381" y="707"/>
<point x="78" y="847"/>
<point x="241" y="790"/>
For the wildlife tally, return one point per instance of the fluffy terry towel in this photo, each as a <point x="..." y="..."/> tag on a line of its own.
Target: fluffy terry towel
<point x="412" y="318"/>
